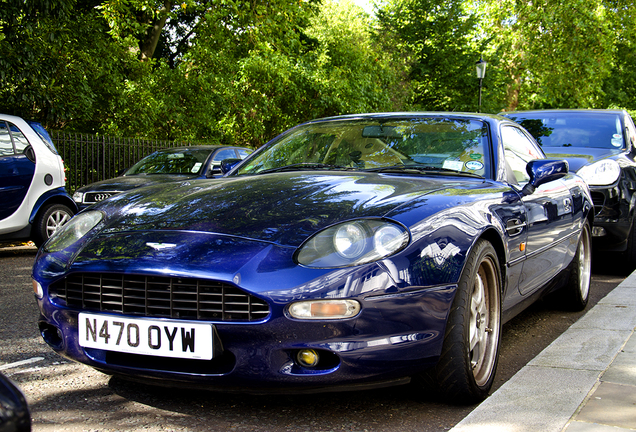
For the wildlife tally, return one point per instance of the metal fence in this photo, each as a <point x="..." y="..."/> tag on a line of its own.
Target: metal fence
<point x="90" y="158"/>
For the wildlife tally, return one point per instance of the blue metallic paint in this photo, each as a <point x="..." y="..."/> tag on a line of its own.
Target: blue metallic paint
<point x="239" y="231"/>
<point x="16" y="173"/>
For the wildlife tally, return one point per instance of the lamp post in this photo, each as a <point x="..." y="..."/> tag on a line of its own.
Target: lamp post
<point x="481" y="73"/>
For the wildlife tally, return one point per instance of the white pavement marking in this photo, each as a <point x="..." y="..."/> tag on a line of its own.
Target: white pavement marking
<point x="21" y="363"/>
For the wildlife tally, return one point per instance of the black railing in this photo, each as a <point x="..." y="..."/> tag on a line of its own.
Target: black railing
<point x="91" y="158"/>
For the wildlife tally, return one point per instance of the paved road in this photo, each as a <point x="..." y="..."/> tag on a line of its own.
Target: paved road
<point x="66" y="396"/>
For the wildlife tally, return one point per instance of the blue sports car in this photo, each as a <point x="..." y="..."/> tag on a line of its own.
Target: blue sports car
<point x="349" y="252"/>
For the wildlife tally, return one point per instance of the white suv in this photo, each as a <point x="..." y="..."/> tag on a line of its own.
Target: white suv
<point x="34" y="201"/>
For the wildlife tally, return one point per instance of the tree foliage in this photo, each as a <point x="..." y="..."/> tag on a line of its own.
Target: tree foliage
<point x="438" y="41"/>
<point x="240" y="72"/>
<point x="553" y="53"/>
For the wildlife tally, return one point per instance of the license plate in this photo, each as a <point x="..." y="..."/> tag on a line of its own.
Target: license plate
<point x="164" y="338"/>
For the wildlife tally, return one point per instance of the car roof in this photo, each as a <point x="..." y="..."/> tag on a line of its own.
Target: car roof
<point x="567" y="111"/>
<point x="477" y="116"/>
<point x="197" y="147"/>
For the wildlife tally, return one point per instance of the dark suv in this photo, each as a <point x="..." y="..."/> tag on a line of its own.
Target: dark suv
<point x="599" y="146"/>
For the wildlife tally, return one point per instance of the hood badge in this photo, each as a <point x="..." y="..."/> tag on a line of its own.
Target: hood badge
<point x="161" y="246"/>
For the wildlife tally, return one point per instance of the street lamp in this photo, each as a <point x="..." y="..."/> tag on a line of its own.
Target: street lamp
<point x="481" y="73"/>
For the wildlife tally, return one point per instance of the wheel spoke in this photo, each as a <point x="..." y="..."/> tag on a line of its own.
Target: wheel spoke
<point x="55" y="221"/>
<point x="478" y="310"/>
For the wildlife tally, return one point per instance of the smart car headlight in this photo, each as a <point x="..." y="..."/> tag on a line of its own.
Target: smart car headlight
<point x="602" y="173"/>
<point x="353" y="243"/>
<point x="74" y="230"/>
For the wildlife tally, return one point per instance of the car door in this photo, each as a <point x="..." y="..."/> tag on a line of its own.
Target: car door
<point x="16" y="169"/>
<point x="549" y="214"/>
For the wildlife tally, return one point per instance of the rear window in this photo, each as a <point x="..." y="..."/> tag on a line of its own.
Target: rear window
<point x="44" y="135"/>
<point x="598" y="130"/>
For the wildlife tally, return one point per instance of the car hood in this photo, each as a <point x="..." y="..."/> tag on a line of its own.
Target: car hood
<point x="125" y="183"/>
<point x="578" y="157"/>
<point x="281" y="208"/>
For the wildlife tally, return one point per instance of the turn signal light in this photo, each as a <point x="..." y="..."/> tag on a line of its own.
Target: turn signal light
<point x="324" y="309"/>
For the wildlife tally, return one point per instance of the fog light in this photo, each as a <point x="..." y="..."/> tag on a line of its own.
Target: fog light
<point x="598" y="232"/>
<point x="307" y="358"/>
<point x="37" y="289"/>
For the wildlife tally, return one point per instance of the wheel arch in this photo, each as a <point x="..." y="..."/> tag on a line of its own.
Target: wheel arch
<point x="52" y="197"/>
<point x="493" y="237"/>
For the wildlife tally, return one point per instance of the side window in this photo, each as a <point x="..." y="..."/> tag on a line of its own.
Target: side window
<point x="224" y="154"/>
<point x="519" y="150"/>
<point x="6" y="146"/>
<point x="18" y="138"/>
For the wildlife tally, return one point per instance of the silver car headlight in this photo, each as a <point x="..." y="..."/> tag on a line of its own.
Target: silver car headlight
<point x="78" y="197"/>
<point x="74" y="230"/>
<point x="602" y="173"/>
<point x="353" y="243"/>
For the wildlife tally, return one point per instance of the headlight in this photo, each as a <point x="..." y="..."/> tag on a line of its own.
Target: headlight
<point x="353" y="243"/>
<point x="78" y="197"/>
<point x="74" y="230"/>
<point x="605" y="172"/>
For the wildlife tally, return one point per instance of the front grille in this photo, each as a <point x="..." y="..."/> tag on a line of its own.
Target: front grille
<point x="94" y="197"/>
<point x="157" y="296"/>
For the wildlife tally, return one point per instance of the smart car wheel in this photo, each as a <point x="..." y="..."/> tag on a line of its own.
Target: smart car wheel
<point x="468" y="361"/>
<point x="574" y="295"/>
<point x="48" y="220"/>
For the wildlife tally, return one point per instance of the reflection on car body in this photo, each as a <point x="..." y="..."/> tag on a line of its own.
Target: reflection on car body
<point x="600" y="146"/>
<point x="350" y="252"/>
<point x="175" y="164"/>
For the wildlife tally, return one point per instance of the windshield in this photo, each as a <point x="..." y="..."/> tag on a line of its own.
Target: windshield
<point x="585" y="129"/>
<point x="432" y="144"/>
<point x="175" y="161"/>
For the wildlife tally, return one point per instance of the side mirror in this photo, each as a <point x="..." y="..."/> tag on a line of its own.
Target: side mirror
<point x="542" y="171"/>
<point x="215" y="170"/>
<point x="29" y="153"/>
<point x="14" y="410"/>
<point x="228" y="164"/>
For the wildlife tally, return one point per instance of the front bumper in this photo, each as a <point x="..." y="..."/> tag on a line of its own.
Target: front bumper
<point x="394" y="337"/>
<point x="612" y="221"/>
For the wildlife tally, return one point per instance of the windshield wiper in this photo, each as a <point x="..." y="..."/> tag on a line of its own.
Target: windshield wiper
<point x="421" y="169"/>
<point x="305" y="166"/>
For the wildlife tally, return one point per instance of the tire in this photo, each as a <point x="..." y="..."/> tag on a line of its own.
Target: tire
<point x="576" y="292"/>
<point x="49" y="220"/>
<point x="470" y="353"/>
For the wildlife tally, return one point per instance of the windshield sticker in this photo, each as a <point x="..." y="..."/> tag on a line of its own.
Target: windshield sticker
<point x="617" y="140"/>
<point x="195" y="169"/>
<point x="475" y="156"/>
<point x="453" y="165"/>
<point x="474" y="165"/>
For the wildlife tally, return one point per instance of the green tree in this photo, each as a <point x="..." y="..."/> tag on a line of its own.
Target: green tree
<point x="438" y="40"/>
<point x="620" y="86"/>
<point x="58" y="64"/>
<point x="552" y="53"/>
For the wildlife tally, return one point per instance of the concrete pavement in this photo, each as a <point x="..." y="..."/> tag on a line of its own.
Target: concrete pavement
<point x="584" y="381"/>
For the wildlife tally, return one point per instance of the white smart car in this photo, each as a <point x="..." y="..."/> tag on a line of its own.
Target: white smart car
<point x="34" y="201"/>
